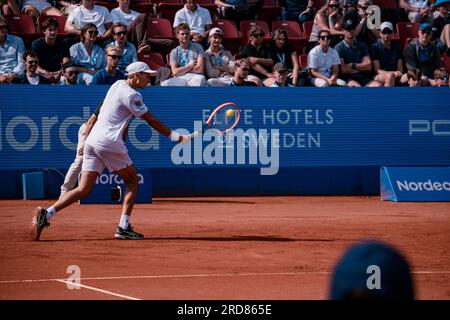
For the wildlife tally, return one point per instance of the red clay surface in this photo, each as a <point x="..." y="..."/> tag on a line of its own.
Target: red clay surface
<point x="217" y="248"/>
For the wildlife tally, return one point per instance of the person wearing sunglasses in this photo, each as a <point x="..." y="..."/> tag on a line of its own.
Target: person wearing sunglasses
<point x="88" y="56"/>
<point x="70" y="74"/>
<point x="422" y="55"/>
<point x="386" y="57"/>
<point x="241" y="70"/>
<point x="356" y="65"/>
<point x="441" y="26"/>
<point x="31" y="76"/>
<point x="329" y="17"/>
<point x="12" y="50"/>
<point x="363" y="33"/>
<point x="52" y="51"/>
<point x="323" y="63"/>
<point x="129" y="53"/>
<point x="440" y="78"/>
<point x="259" y="55"/>
<point x="109" y="74"/>
<point x="88" y="12"/>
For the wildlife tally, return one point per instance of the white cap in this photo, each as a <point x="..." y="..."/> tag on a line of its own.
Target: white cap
<point x="214" y="31"/>
<point x="385" y="25"/>
<point x="139" y="66"/>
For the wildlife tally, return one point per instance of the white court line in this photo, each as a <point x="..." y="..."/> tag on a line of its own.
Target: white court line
<point x="201" y="276"/>
<point x="98" y="290"/>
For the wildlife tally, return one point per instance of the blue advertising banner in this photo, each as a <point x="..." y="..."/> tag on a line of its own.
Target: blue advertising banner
<point x="281" y="131"/>
<point x="415" y="184"/>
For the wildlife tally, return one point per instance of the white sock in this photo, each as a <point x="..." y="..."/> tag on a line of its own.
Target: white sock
<point x="124" y="221"/>
<point x="50" y="213"/>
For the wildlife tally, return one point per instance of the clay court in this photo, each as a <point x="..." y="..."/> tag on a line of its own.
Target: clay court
<point x="217" y="248"/>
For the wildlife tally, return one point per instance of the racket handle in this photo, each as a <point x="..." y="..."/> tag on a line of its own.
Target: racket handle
<point x="194" y="134"/>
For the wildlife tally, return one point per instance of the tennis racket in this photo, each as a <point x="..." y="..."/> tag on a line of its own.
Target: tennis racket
<point x="222" y="119"/>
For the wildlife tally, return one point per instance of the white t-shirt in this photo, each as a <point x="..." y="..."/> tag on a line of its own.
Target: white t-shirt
<point x="120" y="105"/>
<point x="99" y="16"/>
<point x="418" y="3"/>
<point x="323" y="62"/>
<point x="196" y="20"/>
<point x="118" y="15"/>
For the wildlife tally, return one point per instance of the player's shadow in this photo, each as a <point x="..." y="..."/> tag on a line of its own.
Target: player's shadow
<point x="201" y="201"/>
<point x="223" y="238"/>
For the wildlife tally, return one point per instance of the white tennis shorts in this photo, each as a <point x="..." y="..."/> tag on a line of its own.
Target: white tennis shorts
<point x="95" y="160"/>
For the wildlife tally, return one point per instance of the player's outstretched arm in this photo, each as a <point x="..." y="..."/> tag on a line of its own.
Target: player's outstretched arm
<point x="163" y="129"/>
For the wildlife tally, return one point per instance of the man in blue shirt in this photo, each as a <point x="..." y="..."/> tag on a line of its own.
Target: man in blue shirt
<point x="386" y="58"/>
<point x="355" y="60"/>
<point x="110" y="73"/>
<point x="12" y="50"/>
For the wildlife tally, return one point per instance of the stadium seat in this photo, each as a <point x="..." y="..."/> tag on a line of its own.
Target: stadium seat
<point x="307" y="28"/>
<point x="168" y="8"/>
<point x="231" y="36"/>
<point x="319" y="4"/>
<point x="294" y="33"/>
<point x="21" y="24"/>
<point x="61" y="23"/>
<point x="270" y="11"/>
<point x="407" y="30"/>
<point x="245" y="26"/>
<point x="154" y="59"/>
<point x="159" y="28"/>
<point x="445" y="61"/>
<point x="388" y="4"/>
<point x="143" y="6"/>
<point x="303" y="60"/>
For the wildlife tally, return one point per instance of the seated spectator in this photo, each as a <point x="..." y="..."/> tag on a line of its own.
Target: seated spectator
<point x="298" y="10"/>
<point x="51" y="51"/>
<point x="386" y="57"/>
<point x="418" y="10"/>
<point x="137" y="29"/>
<point x="31" y="76"/>
<point x="280" y="71"/>
<point x="186" y="61"/>
<point x="323" y="63"/>
<point x="363" y="33"/>
<point x="88" y="12"/>
<point x="413" y="79"/>
<point x="241" y="70"/>
<point x="110" y="73"/>
<point x="283" y="52"/>
<point x="330" y="18"/>
<point x="421" y="55"/>
<point x="354" y="279"/>
<point x="36" y="8"/>
<point x="348" y="7"/>
<point x="355" y="60"/>
<point x="238" y="10"/>
<point x="219" y="63"/>
<point x="440" y="78"/>
<point x="9" y="7"/>
<point x="259" y="56"/>
<point x="198" y="19"/>
<point x="12" y="50"/>
<point x="120" y="36"/>
<point x="70" y="74"/>
<point x="88" y="56"/>
<point x="441" y="26"/>
<point x="67" y="6"/>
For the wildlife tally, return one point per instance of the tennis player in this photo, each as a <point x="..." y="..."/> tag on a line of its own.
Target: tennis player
<point x="104" y="147"/>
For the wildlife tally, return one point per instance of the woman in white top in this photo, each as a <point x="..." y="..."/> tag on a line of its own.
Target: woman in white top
<point x="35" y="8"/>
<point x="86" y="55"/>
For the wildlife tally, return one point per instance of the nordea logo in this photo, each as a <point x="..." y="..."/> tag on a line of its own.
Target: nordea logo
<point x="423" y="185"/>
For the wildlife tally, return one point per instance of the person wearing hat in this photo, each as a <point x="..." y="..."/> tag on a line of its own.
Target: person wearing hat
<point x="70" y="74"/>
<point x="280" y="71"/>
<point x="356" y="65"/>
<point x="198" y="19"/>
<point x="418" y="10"/>
<point x="372" y="270"/>
<point x="441" y="26"/>
<point x="422" y="56"/>
<point x="104" y="147"/>
<point x="186" y="61"/>
<point x="323" y="63"/>
<point x="219" y="63"/>
<point x="12" y="50"/>
<point x="386" y="57"/>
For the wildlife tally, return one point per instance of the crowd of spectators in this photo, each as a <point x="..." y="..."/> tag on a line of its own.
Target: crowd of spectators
<point x="342" y="49"/>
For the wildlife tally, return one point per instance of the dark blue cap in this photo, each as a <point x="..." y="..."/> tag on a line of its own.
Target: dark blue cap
<point x="441" y="2"/>
<point x="352" y="272"/>
<point x="425" y="25"/>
